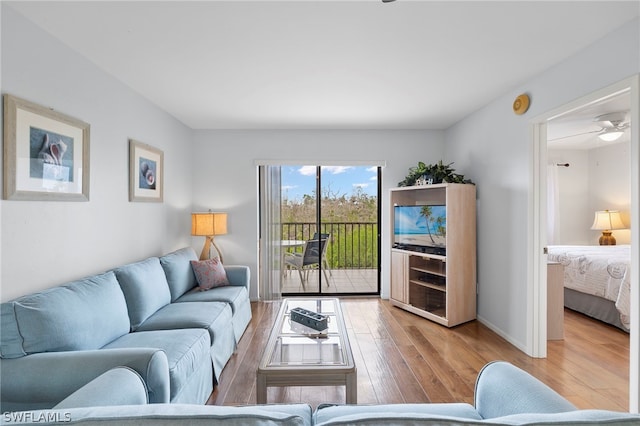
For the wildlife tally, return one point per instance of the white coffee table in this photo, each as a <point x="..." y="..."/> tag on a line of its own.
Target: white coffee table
<point x="298" y="356"/>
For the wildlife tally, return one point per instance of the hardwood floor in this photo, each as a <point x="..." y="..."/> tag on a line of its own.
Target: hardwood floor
<point x="403" y="358"/>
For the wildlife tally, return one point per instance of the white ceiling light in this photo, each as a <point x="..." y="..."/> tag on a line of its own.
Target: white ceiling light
<point x="613" y="125"/>
<point x="610" y="135"/>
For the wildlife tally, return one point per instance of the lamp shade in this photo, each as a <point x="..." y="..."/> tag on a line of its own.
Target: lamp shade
<point x="606" y="220"/>
<point x="208" y="224"/>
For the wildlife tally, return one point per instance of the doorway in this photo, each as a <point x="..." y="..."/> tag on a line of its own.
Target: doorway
<point x="539" y="220"/>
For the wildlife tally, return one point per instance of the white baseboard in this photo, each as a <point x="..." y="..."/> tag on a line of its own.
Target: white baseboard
<point x="502" y="334"/>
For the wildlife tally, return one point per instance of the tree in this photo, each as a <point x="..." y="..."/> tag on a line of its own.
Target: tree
<point x="354" y="239"/>
<point x="426" y="212"/>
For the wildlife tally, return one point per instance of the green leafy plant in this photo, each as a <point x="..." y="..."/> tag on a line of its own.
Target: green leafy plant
<point x="438" y="173"/>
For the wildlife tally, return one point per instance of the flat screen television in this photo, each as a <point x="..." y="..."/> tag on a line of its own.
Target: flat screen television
<point x="421" y="228"/>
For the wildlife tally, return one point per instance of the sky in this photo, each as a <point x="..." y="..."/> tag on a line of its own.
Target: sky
<point x="339" y="180"/>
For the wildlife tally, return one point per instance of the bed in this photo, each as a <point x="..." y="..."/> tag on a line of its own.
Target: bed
<point x="596" y="281"/>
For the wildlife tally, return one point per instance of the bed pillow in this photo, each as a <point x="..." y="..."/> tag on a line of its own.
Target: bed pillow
<point x="209" y="273"/>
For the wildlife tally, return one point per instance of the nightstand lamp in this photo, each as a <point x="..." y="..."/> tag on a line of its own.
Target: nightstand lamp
<point x="209" y="225"/>
<point x="606" y="221"/>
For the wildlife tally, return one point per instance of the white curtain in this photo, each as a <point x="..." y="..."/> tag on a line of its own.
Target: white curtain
<point x="553" y="204"/>
<point x="270" y="233"/>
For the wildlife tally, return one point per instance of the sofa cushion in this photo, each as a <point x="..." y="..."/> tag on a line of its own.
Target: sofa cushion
<point x="233" y="295"/>
<point x="177" y="268"/>
<point x="215" y="317"/>
<point x="212" y="316"/>
<point x="415" y="419"/>
<point x="81" y="315"/>
<point x="237" y="297"/>
<point x="458" y="414"/>
<point x="573" y="418"/>
<point x="577" y="417"/>
<point x="145" y="289"/>
<point x="401" y="413"/>
<point x="172" y="414"/>
<point x="187" y="350"/>
<point x="209" y="273"/>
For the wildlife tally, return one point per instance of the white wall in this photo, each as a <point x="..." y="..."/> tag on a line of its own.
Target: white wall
<point x="609" y="186"/>
<point x="597" y="179"/>
<point x="47" y="243"/>
<point x="575" y="215"/>
<point x="225" y="175"/>
<point x="494" y="147"/>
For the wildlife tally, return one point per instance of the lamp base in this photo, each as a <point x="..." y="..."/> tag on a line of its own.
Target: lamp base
<point x="606" y="239"/>
<point x="205" y="254"/>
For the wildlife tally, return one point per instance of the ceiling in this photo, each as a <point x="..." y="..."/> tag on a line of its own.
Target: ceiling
<point x="325" y="64"/>
<point x="579" y="128"/>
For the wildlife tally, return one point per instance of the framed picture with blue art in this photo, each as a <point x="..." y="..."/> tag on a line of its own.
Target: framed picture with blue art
<point x="146" y="172"/>
<point x="46" y="153"/>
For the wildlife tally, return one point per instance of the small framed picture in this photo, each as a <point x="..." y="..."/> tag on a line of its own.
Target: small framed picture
<point x="46" y="153"/>
<point x="146" y="172"/>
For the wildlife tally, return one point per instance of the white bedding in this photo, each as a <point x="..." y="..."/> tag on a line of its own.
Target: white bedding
<point x="602" y="271"/>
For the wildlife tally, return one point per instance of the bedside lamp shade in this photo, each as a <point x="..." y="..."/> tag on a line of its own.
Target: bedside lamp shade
<point x="209" y="225"/>
<point x="606" y="221"/>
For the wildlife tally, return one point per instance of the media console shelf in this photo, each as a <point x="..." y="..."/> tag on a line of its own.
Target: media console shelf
<point x="428" y="281"/>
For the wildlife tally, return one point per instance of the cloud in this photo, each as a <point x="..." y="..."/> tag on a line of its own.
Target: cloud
<point x="307" y="170"/>
<point x="373" y="169"/>
<point x="360" y="185"/>
<point x="336" y="170"/>
<point x="374" y="178"/>
<point x="287" y="187"/>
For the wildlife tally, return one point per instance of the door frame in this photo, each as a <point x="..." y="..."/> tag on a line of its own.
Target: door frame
<point x="536" y="264"/>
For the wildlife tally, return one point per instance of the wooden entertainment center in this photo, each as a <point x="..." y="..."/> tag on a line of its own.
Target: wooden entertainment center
<point x="428" y="282"/>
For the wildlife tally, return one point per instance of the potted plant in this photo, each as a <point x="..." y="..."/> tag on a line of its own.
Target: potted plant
<point x="433" y="173"/>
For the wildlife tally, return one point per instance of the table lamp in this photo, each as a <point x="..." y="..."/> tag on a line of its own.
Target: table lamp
<point x="606" y="221"/>
<point x="209" y="225"/>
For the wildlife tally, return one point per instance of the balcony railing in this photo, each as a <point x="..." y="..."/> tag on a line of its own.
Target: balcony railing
<point x="352" y="245"/>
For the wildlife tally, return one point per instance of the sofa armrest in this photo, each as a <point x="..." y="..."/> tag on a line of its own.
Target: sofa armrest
<point x="503" y="389"/>
<point x="239" y="275"/>
<point x="40" y="381"/>
<point x="118" y="386"/>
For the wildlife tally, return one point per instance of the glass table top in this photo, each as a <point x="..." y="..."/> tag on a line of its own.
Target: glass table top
<point x="298" y="345"/>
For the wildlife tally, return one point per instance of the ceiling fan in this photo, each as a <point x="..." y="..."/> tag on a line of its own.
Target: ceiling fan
<point x="612" y="127"/>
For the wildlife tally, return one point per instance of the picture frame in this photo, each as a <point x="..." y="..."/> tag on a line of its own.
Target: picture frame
<point x="146" y="172"/>
<point x="46" y="153"/>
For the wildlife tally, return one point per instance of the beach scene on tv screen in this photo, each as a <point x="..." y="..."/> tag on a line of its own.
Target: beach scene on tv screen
<point x="420" y="225"/>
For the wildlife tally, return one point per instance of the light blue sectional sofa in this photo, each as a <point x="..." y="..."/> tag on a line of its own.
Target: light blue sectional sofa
<point x="504" y="395"/>
<point x="149" y="316"/>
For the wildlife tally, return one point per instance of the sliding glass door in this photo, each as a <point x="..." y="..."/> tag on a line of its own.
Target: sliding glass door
<point x="319" y="230"/>
<point x="330" y="234"/>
